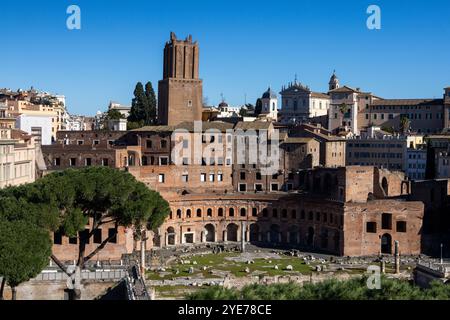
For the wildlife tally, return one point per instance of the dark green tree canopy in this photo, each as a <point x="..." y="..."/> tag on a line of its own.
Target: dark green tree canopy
<point x="25" y="250"/>
<point x="143" y="105"/>
<point x="72" y="197"/>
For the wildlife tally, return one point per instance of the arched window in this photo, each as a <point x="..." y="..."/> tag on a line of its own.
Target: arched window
<point x="199" y="213"/>
<point x="220" y="212"/>
<point x="188" y="213"/>
<point x="179" y="213"/>
<point x="243" y="212"/>
<point x="294" y="214"/>
<point x="209" y="212"/>
<point x="231" y="212"/>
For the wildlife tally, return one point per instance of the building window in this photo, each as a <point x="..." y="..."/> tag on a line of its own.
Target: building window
<point x="163" y="161"/>
<point x="161" y="178"/>
<point x="243" y="212"/>
<point x="274" y="186"/>
<point x="88" y="162"/>
<point x="96" y="142"/>
<point x="231" y="212"/>
<point x="185" y="178"/>
<point x="73" y="240"/>
<point x="199" y="213"/>
<point x="294" y="214"/>
<point x="371" y="227"/>
<point x="73" y="162"/>
<point x="220" y="212"/>
<point x="242" y="187"/>
<point x="112" y="235"/>
<point x="149" y="144"/>
<point x="163" y="144"/>
<point x="284" y="213"/>
<point x="80" y="142"/>
<point x="189" y="103"/>
<point x="209" y="212"/>
<point x="188" y="213"/>
<point x="274" y="213"/>
<point x="265" y="212"/>
<point x="211" y="177"/>
<point x="203" y="177"/>
<point x="57" y="237"/>
<point x="401" y="226"/>
<point x="242" y="175"/>
<point x="105" y="162"/>
<point x="57" y="162"/>
<point x="258" y="187"/>
<point x="386" y="221"/>
<point x="98" y="236"/>
<point x="220" y="177"/>
<point x="254" y="212"/>
<point x="258" y="176"/>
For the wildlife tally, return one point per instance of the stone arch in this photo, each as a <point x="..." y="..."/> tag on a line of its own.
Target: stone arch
<point x="171" y="236"/>
<point x="232" y="232"/>
<point x="324" y="238"/>
<point x="310" y="237"/>
<point x="385" y="186"/>
<point x="275" y="233"/>
<point x="254" y="232"/>
<point x="294" y="234"/>
<point x="337" y="240"/>
<point x="386" y="243"/>
<point x="210" y="233"/>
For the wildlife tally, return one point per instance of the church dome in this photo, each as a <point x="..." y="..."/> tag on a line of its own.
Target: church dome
<point x="223" y="104"/>
<point x="269" y="94"/>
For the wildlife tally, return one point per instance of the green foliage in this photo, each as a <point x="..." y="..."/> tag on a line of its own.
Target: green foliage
<point x="135" y="125"/>
<point x="66" y="201"/>
<point x="354" y="289"/>
<point x="143" y="105"/>
<point x="344" y="108"/>
<point x="215" y="293"/>
<point x="404" y="124"/>
<point x="258" y="107"/>
<point x="24" y="250"/>
<point x="114" y="114"/>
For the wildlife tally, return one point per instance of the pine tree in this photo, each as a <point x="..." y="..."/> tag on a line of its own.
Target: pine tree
<point x="151" y="107"/>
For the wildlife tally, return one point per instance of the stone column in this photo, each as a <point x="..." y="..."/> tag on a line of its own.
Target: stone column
<point x="224" y="235"/>
<point x="397" y="257"/>
<point x="243" y="231"/>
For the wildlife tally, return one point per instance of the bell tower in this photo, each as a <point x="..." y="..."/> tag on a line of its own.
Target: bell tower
<point x="180" y="90"/>
<point x="447" y="107"/>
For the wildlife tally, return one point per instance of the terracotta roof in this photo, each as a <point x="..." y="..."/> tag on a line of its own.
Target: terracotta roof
<point x="344" y="89"/>
<point x="256" y="125"/>
<point x="406" y="102"/>
<point x="155" y="129"/>
<point x="297" y="140"/>
<point x="319" y="95"/>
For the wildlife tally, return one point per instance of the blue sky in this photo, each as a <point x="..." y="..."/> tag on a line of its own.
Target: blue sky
<point x="244" y="47"/>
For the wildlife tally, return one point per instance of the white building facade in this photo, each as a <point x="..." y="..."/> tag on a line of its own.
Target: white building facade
<point x="40" y="127"/>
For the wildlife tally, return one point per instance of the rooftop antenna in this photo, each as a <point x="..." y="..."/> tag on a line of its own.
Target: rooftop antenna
<point x="295" y="81"/>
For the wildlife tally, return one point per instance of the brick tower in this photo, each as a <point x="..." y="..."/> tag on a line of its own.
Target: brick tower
<point x="180" y="90"/>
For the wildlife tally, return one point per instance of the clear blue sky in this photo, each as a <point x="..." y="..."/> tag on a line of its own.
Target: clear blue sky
<point x="244" y="47"/>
